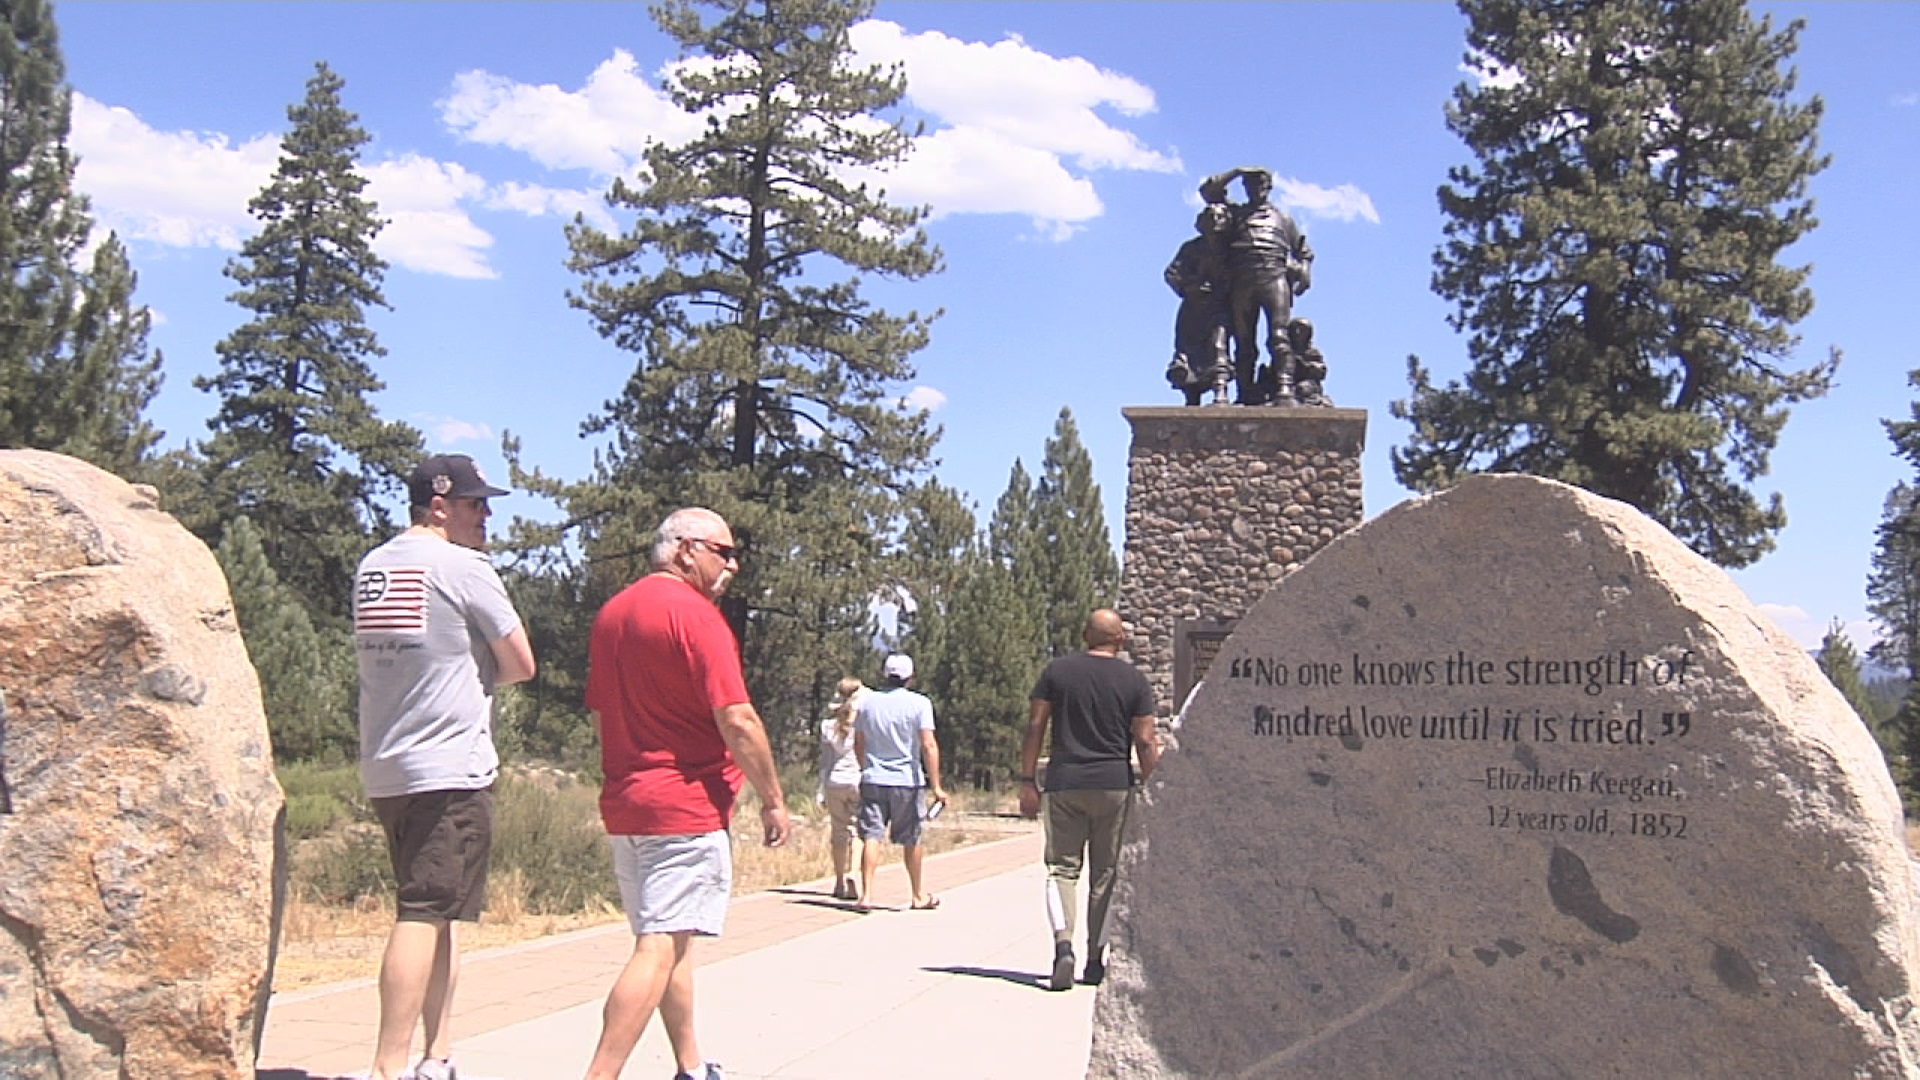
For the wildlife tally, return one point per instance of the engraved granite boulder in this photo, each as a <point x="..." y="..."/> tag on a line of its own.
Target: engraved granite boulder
<point x="138" y="804"/>
<point x="1509" y="782"/>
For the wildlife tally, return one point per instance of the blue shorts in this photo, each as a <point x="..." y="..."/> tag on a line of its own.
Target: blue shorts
<point x="888" y="811"/>
<point x="674" y="884"/>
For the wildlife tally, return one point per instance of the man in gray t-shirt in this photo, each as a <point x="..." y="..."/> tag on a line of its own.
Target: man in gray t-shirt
<point x="435" y="635"/>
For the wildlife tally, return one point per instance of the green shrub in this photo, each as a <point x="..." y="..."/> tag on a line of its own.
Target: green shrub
<point x="311" y="814"/>
<point x="321" y="797"/>
<point x="344" y="868"/>
<point x="546" y="826"/>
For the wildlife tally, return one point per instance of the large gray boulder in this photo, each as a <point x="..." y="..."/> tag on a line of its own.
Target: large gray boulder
<point x="1509" y="782"/>
<point x="138" y="806"/>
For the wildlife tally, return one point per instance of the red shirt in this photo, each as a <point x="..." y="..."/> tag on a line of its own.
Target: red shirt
<point x="660" y="660"/>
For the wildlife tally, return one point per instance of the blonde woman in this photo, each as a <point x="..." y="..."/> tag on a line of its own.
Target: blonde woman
<point x="840" y="782"/>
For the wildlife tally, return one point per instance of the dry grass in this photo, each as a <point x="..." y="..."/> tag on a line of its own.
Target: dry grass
<point x="334" y="942"/>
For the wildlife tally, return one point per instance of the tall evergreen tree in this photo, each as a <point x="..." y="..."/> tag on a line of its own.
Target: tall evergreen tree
<point x="993" y="655"/>
<point x="306" y="672"/>
<point x="995" y="641"/>
<point x="1015" y="542"/>
<point x="1893" y="587"/>
<point x="297" y="443"/>
<point x="1079" y="570"/>
<point x="1612" y="255"/>
<point x="762" y="388"/>
<point x="75" y="371"/>
<point x="1893" y="581"/>
<point x="937" y="555"/>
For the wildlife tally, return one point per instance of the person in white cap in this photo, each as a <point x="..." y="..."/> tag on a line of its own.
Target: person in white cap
<point x="899" y="757"/>
<point x="436" y="636"/>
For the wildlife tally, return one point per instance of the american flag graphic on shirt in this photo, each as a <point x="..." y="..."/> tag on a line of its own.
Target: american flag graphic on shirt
<point x="393" y="600"/>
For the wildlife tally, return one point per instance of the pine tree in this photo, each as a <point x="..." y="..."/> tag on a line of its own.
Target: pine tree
<point x="1893" y="588"/>
<point x="75" y="371"/>
<point x="1893" y="582"/>
<point x="1079" y="570"/>
<point x="1015" y="542"/>
<point x="1841" y="662"/>
<point x="1613" y="258"/>
<point x="297" y="443"/>
<point x="937" y="555"/>
<point x="995" y="641"/>
<point x="994" y="652"/>
<point x="761" y="389"/>
<point x="306" y="672"/>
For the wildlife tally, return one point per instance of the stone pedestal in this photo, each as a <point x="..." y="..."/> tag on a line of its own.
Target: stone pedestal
<point x="1223" y="501"/>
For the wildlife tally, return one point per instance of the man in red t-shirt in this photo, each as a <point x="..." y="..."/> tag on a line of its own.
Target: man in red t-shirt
<point x="677" y="734"/>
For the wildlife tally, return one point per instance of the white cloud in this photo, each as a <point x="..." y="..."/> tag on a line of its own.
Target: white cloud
<point x="1343" y="203"/>
<point x="978" y="171"/>
<point x="1007" y="121"/>
<point x="427" y="228"/>
<point x="178" y="188"/>
<point x="923" y="398"/>
<point x="191" y="189"/>
<point x="1906" y="101"/>
<point x="1027" y="97"/>
<point x="451" y="431"/>
<point x="1014" y="130"/>
<point x="604" y="127"/>
<point x="1808" y="630"/>
<point x="534" y="200"/>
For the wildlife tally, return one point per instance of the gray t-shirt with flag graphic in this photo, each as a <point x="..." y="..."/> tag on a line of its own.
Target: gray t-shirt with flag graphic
<point x="425" y="615"/>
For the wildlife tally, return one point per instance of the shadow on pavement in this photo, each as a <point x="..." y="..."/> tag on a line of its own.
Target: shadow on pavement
<point x="1017" y="978"/>
<point x="819" y="900"/>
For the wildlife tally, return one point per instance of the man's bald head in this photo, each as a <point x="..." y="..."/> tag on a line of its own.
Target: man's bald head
<point x="1104" y="630"/>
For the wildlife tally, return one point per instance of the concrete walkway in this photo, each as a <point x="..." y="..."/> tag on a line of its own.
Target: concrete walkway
<point x="800" y="986"/>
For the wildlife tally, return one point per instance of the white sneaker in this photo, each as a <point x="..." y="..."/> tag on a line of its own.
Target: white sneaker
<point x="435" y="1069"/>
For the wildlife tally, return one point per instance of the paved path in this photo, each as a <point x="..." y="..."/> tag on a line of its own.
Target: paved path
<point x="800" y="986"/>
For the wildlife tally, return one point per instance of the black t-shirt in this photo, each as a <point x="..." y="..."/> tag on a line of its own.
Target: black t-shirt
<point x="1093" y="700"/>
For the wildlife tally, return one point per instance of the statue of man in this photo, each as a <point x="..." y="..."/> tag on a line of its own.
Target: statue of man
<point x="1198" y="276"/>
<point x="1268" y="263"/>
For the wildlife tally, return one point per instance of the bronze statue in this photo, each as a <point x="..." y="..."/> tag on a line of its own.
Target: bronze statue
<point x="1198" y="276"/>
<point x="1267" y="264"/>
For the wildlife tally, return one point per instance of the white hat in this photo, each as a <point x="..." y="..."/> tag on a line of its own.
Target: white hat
<point x="898" y="666"/>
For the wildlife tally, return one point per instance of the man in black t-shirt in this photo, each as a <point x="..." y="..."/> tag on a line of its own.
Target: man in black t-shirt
<point x="1100" y="709"/>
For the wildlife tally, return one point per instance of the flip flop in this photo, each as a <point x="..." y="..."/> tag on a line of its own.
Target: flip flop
<point x="932" y="902"/>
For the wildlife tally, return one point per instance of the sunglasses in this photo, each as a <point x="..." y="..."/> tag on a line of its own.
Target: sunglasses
<point x="725" y="551"/>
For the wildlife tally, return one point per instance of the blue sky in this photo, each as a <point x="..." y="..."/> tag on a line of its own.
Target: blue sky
<point x="1063" y="144"/>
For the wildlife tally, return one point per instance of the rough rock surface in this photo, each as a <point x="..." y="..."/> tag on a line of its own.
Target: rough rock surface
<point x="1508" y="782"/>
<point x="1221" y="502"/>
<point x="138" y="805"/>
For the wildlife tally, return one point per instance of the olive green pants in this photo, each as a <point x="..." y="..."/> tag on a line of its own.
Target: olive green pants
<point x="1083" y="833"/>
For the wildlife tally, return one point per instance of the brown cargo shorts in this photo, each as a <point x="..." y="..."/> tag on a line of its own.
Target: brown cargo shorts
<point x="439" y="842"/>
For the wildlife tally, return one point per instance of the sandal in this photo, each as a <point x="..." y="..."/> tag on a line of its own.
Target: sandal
<point x="932" y="902"/>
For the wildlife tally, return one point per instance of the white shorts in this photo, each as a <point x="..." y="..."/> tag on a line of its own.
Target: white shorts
<point x="674" y="884"/>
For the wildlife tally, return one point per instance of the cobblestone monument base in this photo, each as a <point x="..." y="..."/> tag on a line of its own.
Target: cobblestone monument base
<point x="1223" y="501"/>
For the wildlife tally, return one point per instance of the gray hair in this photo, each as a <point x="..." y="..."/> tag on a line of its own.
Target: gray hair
<point x="686" y="523"/>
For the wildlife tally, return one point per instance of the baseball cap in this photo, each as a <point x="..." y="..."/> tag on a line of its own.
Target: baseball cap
<point x="450" y="476"/>
<point x="898" y="666"/>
